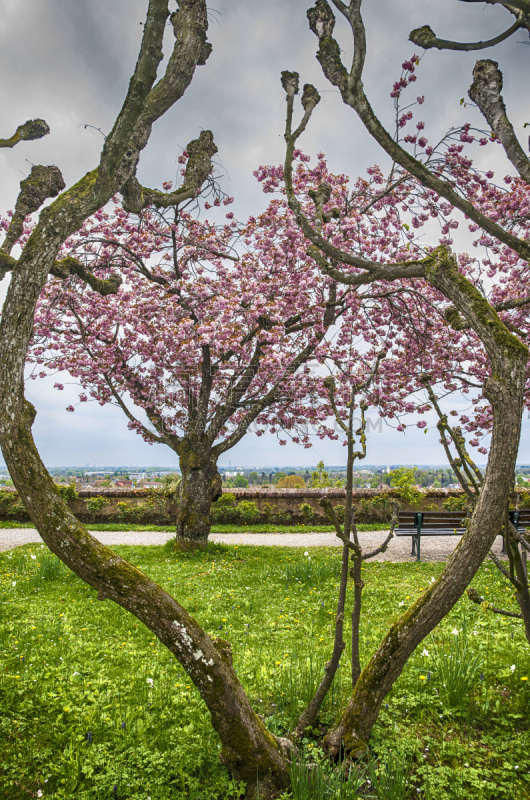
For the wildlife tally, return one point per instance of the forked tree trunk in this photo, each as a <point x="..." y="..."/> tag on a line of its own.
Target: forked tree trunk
<point x="200" y="486"/>
<point x="504" y="390"/>
<point x="249" y="750"/>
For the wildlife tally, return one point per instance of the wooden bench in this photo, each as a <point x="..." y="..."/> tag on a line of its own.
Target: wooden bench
<point x="444" y="523"/>
<point x="429" y="523"/>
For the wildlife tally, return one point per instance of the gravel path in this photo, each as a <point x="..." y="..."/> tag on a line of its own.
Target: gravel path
<point x="433" y="548"/>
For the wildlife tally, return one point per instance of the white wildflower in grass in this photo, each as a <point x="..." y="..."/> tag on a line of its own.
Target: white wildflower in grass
<point x="432" y="580"/>
<point x="14" y="583"/>
<point x="455" y="631"/>
<point x="33" y="558"/>
<point x="425" y="652"/>
<point x="150" y="681"/>
<point x="306" y="553"/>
<point x="512" y="668"/>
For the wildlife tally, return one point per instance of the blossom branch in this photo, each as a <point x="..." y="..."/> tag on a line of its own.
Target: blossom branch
<point x="321" y="22"/>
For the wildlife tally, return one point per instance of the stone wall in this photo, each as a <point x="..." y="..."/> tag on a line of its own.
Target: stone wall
<point x="149" y="506"/>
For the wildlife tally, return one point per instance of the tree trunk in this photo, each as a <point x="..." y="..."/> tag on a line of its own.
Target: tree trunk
<point x="200" y="486"/>
<point x="504" y="390"/>
<point x="248" y="749"/>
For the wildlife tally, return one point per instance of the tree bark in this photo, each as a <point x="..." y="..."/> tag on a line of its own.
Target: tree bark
<point x="248" y="749"/>
<point x="504" y="390"/>
<point x="200" y="486"/>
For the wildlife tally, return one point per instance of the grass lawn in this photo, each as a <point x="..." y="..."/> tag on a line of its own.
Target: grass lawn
<point x="122" y="526"/>
<point x="93" y="707"/>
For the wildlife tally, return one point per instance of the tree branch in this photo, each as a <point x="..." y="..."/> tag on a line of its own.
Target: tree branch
<point x="30" y="130"/>
<point x="41" y="184"/>
<point x="485" y="91"/>
<point x="475" y="597"/>
<point x="71" y="266"/>
<point x="426" y="38"/>
<point x="199" y="166"/>
<point x="117" y="145"/>
<point x="352" y="92"/>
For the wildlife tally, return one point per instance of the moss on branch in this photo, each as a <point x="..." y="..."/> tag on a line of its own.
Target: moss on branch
<point x="41" y="184"/>
<point x="30" y="130"/>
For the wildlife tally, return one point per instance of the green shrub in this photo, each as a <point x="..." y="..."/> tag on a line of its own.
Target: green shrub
<point x="455" y="503"/>
<point x="240" y="482"/>
<point x="68" y="492"/>
<point x="377" y="509"/>
<point x="306" y="512"/>
<point x="129" y="512"/>
<point x="525" y="500"/>
<point x="248" y="511"/>
<point x="11" y="507"/>
<point x="226" y="500"/>
<point x="95" y="504"/>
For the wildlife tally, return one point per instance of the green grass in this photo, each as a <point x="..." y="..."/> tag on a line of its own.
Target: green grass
<point x="91" y="700"/>
<point x="215" y="528"/>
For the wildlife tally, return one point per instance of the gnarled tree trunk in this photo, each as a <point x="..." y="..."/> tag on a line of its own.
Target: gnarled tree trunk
<point x="248" y="749"/>
<point x="200" y="486"/>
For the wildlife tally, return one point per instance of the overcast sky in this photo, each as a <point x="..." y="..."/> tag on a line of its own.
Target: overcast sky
<point x="69" y="61"/>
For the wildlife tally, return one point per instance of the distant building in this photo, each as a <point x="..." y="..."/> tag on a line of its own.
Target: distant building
<point x="138" y="476"/>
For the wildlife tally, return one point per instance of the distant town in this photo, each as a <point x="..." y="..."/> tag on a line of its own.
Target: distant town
<point x="372" y="476"/>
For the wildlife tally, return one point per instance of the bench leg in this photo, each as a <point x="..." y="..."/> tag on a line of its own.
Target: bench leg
<point x="413" y="553"/>
<point x="418" y="556"/>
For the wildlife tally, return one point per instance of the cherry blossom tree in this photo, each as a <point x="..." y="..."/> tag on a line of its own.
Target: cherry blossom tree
<point x="205" y="340"/>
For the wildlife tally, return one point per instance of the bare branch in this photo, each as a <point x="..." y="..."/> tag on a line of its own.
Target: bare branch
<point x="198" y="168"/>
<point x="485" y="91"/>
<point x="118" y="142"/>
<point x="475" y="597"/>
<point x="383" y="547"/>
<point x="191" y="49"/>
<point x="30" y="130"/>
<point x="71" y="266"/>
<point x="522" y="5"/>
<point x="309" y="715"/>
<point x="500" y="566"/>
<point x="507" y="305"/>
<point x="41" y="184"/>
<point x="425" y="37"/>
